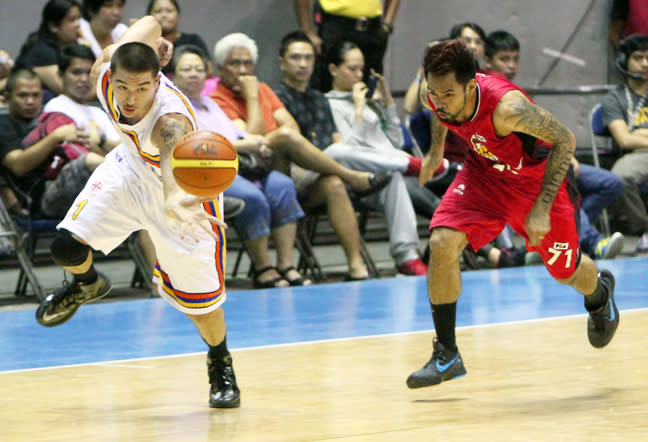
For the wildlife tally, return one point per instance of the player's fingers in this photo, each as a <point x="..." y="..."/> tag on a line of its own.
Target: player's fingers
<point x="214" y="220"/>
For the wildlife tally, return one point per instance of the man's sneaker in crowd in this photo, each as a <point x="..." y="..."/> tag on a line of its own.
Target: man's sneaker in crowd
<point x="603" y="322"/>
<point x="413" y="267"/>
<point x="642" y="245"/>
<point x="609" y="247"/>
<point x="61" y="305"/>
<point x="443" y="366"/>
<point x="224" y="393"/>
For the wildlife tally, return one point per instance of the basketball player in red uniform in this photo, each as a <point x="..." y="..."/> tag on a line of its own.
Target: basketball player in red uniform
<point x="516" y="172"/>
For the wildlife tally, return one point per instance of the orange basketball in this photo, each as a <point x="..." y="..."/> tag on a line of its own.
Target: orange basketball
<point x="204" y="163"/>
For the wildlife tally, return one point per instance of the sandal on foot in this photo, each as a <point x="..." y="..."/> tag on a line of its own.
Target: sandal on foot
<point x="270" y="283"/>
<point x="297" y="281"/>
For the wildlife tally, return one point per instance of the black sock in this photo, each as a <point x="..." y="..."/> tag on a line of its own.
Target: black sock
<point x="598" y="298"/>
<point x="218" y="352"/>
<point x="86" y="278"/>
<point x="444" y="316"/>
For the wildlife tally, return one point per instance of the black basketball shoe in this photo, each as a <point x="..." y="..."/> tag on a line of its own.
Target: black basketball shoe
<point x="443" y="366"/>
<point x="61" y="305"/>
<point x="224" y="393"/>
<point x="603" y="322"/>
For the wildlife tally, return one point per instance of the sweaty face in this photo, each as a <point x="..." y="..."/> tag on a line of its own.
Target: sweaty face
<point x="298" y="61"/>
<point x="239" y="62"/>
<point x="76" y="80"/>
<point x="349" y="72"/>
<point x="448" y="96"/>
<point x="190" y="74"/>
<point x="506" y="62"/>
<point x="474" y="42"/>
<point x="26" y="99"/>
<point x="134" y="93"/>
<point x="167" y="14"/>
<point x="638" y="63"/>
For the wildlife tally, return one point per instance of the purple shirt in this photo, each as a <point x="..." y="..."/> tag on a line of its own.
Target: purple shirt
<point x="210" y="116"/>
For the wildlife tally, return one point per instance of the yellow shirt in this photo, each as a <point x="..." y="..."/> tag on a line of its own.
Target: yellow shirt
<point x="353" y="8"/>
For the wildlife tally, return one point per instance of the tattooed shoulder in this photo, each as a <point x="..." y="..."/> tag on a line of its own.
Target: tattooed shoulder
<point x="519" y="114"/>
<point x="170" y="128"/>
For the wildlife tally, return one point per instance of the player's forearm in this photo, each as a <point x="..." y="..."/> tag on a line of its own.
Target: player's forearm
<point x="438" y="134"/>
<point x="146" y="30"/>
<point x="555" y="171"/>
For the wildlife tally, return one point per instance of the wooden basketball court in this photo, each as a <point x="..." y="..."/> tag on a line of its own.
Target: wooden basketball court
<point x="315" y="368"/>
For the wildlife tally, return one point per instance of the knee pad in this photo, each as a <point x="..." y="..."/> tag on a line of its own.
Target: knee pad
<point x="67" y="251"/>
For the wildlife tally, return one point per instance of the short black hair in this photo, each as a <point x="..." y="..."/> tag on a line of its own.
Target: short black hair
<point x="456" y="30"/>
<point x="93" y="6"/>
<point x="633" y="43"/>
<point x="15" y="74"/>
<point x="188" y="49"/>
<point x="135" y="57"/>
<point x="293" y="37"/>
<point x="498" y="41"/>
<point x="72" y="51"/>
<point x="450" y="56"/>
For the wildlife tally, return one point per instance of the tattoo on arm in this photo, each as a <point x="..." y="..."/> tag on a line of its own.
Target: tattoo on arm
<point x="171" y="131"/>
<point x="530" y="119"/>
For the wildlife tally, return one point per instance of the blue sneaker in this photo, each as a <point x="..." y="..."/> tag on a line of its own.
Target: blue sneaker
<point x="609" y="247"/>
<point x="603" y="322"/>
<point x="443" y="366"/>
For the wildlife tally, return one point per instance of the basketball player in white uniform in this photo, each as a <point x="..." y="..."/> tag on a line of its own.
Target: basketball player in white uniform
<point x="134" y="189"/>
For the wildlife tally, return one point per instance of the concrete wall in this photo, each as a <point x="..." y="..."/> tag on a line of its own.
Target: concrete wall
<point x="537" y="24"/>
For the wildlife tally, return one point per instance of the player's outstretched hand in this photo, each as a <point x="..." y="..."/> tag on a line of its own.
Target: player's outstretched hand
<point x="188" y="210"/>
<point x="538" y="224"/>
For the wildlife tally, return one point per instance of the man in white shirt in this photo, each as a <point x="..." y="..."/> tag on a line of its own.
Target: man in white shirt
<point x="75" y="63"/>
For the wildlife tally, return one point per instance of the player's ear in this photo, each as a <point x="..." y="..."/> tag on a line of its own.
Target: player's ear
<point x="472" y="85"/>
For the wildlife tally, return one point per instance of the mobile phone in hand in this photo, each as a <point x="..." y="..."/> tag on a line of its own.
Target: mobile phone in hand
<point x="371" y="86"/>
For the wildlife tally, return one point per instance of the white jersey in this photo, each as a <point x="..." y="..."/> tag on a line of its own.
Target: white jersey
<point x="125" y="194"/>
<point x="137" y="137"/>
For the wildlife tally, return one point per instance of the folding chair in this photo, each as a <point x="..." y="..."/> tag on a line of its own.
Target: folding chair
<point x="23" y="233"/>
<point x="598" y="129"/>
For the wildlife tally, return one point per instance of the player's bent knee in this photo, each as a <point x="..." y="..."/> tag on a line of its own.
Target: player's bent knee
<point x="67" y="251"/>
<point x="447" y="241"/>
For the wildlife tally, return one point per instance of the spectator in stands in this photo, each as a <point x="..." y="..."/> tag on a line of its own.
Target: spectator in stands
<point x="625" y="114"/>
<point x="255" y="109"/>
<point x="6" y="64"/>
<point x="473" y="36"/>
<point x="101" y="23"/>
<point x="271" y="207"/>
<point x="75" y="63"/>
<point x="167" y="12"/>
<point x="627" y="17"/>
<point x="366" y="23"/>
<point x="598" y="187"/>
<point x="502" y="54"/>
<point x="371" y="124"/>
<point x="59" y="26"/>
<point x="27" y="164"/>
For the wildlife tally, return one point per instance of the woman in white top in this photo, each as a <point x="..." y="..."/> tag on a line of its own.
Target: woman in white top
<point x="101" y="25"/>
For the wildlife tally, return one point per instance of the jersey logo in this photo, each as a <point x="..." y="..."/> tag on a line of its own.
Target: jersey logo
<point x="459" y="189"/>
<point x="502" y="167"/>
<point x="478" y="144"/>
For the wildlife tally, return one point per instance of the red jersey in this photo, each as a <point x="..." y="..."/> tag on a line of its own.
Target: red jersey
<point x="516" y="154"/>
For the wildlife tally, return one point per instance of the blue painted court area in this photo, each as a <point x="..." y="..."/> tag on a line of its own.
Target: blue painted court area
<point x="148" y="328"/>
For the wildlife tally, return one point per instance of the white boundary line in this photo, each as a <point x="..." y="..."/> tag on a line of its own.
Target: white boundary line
<point x="292" y="344"/>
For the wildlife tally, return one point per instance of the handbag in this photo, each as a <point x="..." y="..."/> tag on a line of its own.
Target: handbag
<point x="62" y="153"/>
<point x="252" y="166"/>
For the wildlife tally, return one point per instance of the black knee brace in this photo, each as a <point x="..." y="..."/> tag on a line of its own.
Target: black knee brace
<point x="67" y="251"/>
